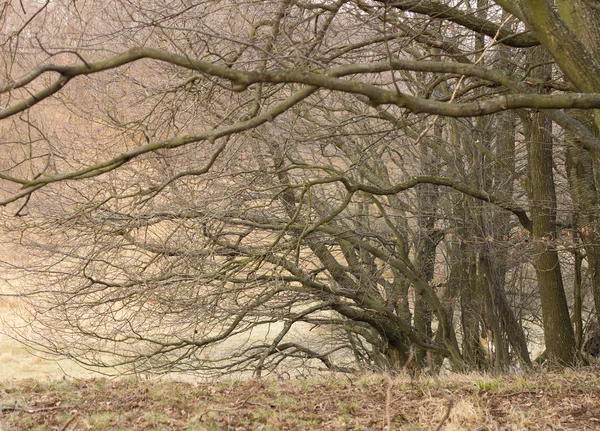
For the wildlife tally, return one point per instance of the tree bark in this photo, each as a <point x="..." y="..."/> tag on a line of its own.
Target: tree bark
<point x="558" y="332"/>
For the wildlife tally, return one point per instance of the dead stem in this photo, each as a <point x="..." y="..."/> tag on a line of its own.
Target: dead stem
<point x="443" y="391"/>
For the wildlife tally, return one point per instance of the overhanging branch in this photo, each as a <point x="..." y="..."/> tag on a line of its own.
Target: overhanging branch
<point x="332" y="79"/>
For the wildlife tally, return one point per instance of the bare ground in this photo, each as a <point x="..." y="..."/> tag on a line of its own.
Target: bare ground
<point x="567" y="400"/>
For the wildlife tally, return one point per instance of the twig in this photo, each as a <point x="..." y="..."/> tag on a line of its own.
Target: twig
<point x="460" y="80"/>
<point x="388" y="402"/>
<point x="409" y="360"/>
<point x="41" y="409"/>
<point x="228" y="409"/>
<point x="442" y="390"/>
<point x="69" y="422"/>
<point x="388" y="396"/>
<point x="512" y="394"/>
<point x="448" y="409"/>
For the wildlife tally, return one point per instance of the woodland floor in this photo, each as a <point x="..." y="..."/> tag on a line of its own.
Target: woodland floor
<point x="566" y="400"/>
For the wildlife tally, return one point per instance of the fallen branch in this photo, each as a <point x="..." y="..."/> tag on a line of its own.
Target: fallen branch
<point x="69" y="422"/>
<point x="238" y="405"/>
<point x="24" y="410"/>
<point x="512" y="394"/>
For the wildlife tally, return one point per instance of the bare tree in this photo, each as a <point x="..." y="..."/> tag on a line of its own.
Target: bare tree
<point x="231" y="185"/>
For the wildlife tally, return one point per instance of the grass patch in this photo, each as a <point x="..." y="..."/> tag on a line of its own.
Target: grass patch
<point x="568" y="401"/>
<point x="486" y="385"/>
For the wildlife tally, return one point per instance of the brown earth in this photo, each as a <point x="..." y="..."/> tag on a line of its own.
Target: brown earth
<point x="569" y="400"/>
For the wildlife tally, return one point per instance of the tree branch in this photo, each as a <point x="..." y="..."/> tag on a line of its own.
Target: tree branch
<point x="467" y="20"/>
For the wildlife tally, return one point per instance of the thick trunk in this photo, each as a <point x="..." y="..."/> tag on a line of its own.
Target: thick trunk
<point x="568" y="50"/>
<point x="514" y="330"/>
<point x="578" y="301"/>
<point x="425" y="264"/>
<point x="583" y="192"/>
<point x="584" y="22"/>
<point x="558" y="332"/>
<point x="493" y="317"/>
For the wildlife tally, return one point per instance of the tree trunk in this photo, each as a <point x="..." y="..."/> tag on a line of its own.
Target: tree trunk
<point x="472" y="310"/>
<point x="578" y="301"/>
<point x="558" y="332"/>
<point x="427" y="242"/>
<point x="580" y="163"/>
<point x="504" y="178"/>
<point x="580" y="171"/>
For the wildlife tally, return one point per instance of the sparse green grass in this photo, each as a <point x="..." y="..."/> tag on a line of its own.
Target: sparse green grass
<point x="487" y="385"/>
<point x="569" y="401"/>
<point x="101" y="420"/>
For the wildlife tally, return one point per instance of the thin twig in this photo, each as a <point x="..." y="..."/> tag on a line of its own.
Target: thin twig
<point x="512" y="394"/>
<point x="41" y="409"/>
<point x="69" y="422"/>
<point x="442" y="391"/>
<point x="388" y="396"/>
<point x="460" y="80"/>
<point x="448" y="409"/>
<point x="388" y="402"/>
<point x="238" y="405"/>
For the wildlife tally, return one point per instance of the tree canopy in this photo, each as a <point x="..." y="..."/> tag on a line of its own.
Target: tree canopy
<point x="234" y="185"/>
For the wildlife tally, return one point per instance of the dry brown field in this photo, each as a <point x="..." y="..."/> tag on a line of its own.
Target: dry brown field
<point x="565" y="400"/>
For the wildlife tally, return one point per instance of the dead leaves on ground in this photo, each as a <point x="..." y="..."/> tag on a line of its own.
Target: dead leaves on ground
<point x="558" y="401"/>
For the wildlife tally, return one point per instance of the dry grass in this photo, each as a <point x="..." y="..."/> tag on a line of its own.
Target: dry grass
<point x="569" y="400"/>
<point x="17" y="362"/>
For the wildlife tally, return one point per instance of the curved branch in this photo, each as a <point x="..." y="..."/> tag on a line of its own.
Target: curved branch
<point x="209" y="135"/>
<point x="467" y="20"/>
<point x="447" y="182"/>
<point x="331" y="80"/>
<point x="519" y="212"/>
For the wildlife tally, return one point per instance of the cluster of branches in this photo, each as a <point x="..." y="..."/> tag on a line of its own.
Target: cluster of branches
<point x="229" y="186"/>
